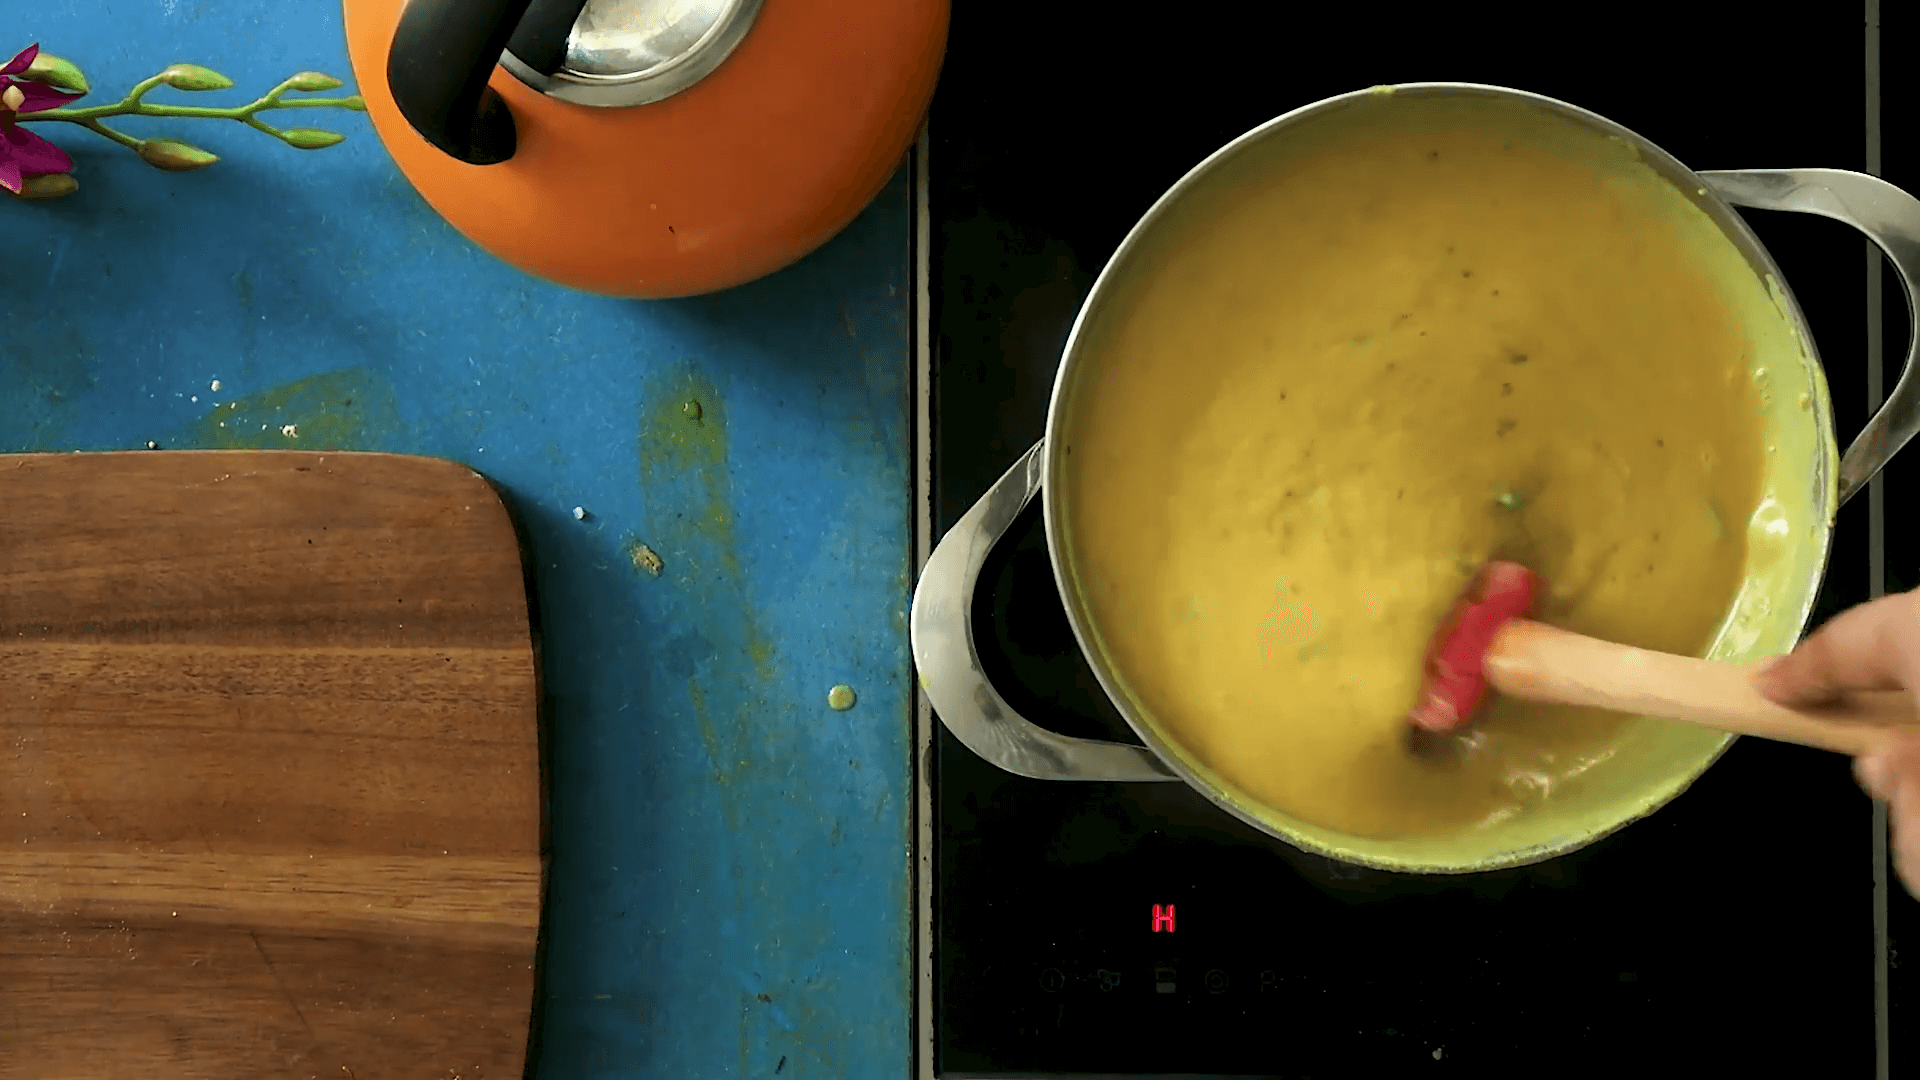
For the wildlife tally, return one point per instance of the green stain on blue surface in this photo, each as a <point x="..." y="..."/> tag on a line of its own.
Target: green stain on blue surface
<point x="689" y="521"/>
<point x="683" y="440"/>
<point x="351" y="409"/>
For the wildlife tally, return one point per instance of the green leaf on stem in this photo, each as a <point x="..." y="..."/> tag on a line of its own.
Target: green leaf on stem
<point x="55" y="72"/>
<point x="311" y="138"/>
<point x="314" y="80"/>
<point x="194" y="77"/>
<point x="50" y="186"/>
<point x="173" y="156"/>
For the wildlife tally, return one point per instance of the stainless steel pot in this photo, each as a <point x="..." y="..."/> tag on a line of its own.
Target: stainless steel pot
<point x="1769" y="618"/>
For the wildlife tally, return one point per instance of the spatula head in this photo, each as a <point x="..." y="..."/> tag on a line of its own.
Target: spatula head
<point x="1456" y="680"/>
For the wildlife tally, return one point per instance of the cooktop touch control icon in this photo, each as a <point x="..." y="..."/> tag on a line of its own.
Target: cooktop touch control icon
<point x="1163" y="980"/>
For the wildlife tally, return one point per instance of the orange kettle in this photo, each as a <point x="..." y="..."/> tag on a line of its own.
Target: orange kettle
<point x="647" y="148"/>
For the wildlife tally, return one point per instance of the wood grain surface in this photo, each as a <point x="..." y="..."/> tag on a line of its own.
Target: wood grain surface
<point x="270" y="798"/>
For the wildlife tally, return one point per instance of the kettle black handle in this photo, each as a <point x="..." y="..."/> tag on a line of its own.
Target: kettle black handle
<point x="443" y="53"/>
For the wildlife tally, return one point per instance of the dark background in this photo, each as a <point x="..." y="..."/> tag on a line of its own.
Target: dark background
<point x="1732" y="930"/>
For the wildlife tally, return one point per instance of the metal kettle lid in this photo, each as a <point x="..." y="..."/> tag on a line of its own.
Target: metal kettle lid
<point x="616" y="53"/>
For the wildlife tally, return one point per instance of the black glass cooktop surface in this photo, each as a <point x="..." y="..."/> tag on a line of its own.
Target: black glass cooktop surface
<point x="1102" y="928"/>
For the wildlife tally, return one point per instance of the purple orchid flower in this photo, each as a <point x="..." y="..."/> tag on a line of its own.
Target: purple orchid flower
<point x="22" y="153"/>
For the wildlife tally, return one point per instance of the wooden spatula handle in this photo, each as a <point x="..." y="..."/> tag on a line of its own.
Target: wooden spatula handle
<point x="1542" y="663"/>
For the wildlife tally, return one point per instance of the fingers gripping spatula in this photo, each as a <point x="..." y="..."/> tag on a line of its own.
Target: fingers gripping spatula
<point x="1488" y="643"/>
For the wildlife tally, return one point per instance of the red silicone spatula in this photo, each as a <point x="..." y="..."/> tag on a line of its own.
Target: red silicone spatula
<point x="1488" y="643"/>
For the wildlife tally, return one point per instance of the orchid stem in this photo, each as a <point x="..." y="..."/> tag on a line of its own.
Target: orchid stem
<point x="135" y="104"/>
<point x="102" y="129"/>
<point x="169" y="154"/>
<point x="140" y="90"/>
<point x="241" y="113"/>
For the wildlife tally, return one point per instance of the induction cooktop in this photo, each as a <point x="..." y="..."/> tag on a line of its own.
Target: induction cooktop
<point x="1108" y="929"/>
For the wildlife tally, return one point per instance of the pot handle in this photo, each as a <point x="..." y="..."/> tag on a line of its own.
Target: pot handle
<point x="443" y="53"/>
<point x="943" y="650"/>
<point x="1891" y="219"/>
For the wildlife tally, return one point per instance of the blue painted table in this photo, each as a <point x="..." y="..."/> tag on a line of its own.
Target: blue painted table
<point x="729" y="882"/>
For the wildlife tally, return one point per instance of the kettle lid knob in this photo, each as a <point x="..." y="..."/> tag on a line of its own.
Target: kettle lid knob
<point x="616" y="53"/>
<point x="605" y="53"/>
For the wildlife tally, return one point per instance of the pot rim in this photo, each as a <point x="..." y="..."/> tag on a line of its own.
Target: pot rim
<point x="1731" y="224"/>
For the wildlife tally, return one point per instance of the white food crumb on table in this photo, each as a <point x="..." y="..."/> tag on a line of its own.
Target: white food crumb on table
<point x="214" y="385"/>
<point x="579" y="513"/>
<point x="291" y="431"/>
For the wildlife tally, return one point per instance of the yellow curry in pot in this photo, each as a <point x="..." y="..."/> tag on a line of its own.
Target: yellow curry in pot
<point x="1348" y="376"/>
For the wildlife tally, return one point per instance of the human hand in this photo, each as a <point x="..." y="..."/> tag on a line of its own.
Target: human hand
<point x="1875" y="646"/>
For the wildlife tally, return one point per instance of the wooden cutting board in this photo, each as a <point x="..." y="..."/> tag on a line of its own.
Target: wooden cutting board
<point x="270" y="787"/>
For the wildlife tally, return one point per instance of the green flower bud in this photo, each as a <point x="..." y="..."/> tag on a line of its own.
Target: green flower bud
<point x="173" y="156"/>
<point x="55" y="72"/>
<point x="50" y="186"/>
<point x="314" y="80"/>
<point x="356" y="103"/>
<point x="194" y="77"/>
<point x="311" y="138"/>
